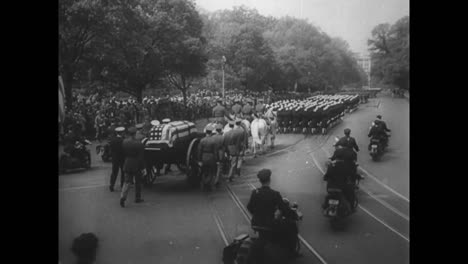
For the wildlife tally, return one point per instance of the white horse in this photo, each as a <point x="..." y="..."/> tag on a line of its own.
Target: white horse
<point x="259" y="129"/>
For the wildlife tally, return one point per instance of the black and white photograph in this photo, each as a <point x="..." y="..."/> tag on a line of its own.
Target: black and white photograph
<point x="233" y="132"/>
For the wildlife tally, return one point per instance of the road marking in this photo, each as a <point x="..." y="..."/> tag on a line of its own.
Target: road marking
<point x="247" y="217"/>
<point x="220" y="229"/>
<point x="365" y="210"/>
<point x="383" y="184"/>
<point x="383" y="223"/>
<point x="285" y="149"/>
<point x="393" y="209"/>
<point x="377" y="180"/>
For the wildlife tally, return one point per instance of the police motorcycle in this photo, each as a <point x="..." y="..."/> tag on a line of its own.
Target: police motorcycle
<point x="103" y="150"/>
<point x="285" y="243"/>
<point x="336" y="205"/>
<point x="378" y="145"/>
<point x="76" y="156"/>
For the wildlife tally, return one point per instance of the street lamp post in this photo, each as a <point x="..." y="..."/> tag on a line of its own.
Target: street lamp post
<point x="222" y="67"/>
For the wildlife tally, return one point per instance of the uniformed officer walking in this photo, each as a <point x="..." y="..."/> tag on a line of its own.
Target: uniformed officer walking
<point x="233" y="142"/>
<point x="117" y="154"/>
<point x="133" y="166"/>
<point x="219" y="112"/>
<point x="207" y="156"/>
<point x="218" y="138"/>
<point x="247" y="111"/>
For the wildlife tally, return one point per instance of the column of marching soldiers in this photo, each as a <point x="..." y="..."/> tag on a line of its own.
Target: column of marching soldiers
<point x="226" y="139"/>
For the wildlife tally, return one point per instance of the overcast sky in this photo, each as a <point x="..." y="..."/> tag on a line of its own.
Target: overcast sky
<point x="352" y="20"/>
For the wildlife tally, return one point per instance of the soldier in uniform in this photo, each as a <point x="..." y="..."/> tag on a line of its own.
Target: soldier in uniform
<point x="139" y="134"/>
<point x="219" y="112"/>
<point x="117" y="155"/>
<point x="234" y="144"/>
<point x="133" y="166"/>
<point x="263" y="204"/>
<point x="219" y="138"/>
<point x="273" y="128"/>
<point x="260" y="108"/>
<point x="147" y="126"/>
<point x="207" y="156"/>
<point x="236" y="109"/>
<point x="247" y="111"/>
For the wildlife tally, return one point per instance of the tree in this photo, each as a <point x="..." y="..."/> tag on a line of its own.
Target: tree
<point x="184" y="56"/>
<point x="389" y="48"/>
<point x="80" y="23"/>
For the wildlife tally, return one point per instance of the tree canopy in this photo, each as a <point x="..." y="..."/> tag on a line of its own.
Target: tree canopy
<point x="133" y="45"/>
<point x="389" y="48"/>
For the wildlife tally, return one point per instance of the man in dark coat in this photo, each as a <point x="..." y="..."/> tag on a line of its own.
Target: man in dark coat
<point x="116" y="150"/>
<point x="133" y="166"/>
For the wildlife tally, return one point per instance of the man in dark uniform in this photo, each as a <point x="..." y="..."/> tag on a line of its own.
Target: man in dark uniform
<point x="260" y="108"/>
<point x="234" y="144"/>
<point x="207" y="157"/>
<point x="146" y="126"/>
<point x="219" y="138"/>
<point x="348" y="141"/>
<point x="219" y="112"/>
<point x="236" y="109"/>
<point x="247" y="111"/>
<point x="133" y="166"/>
<point x="139" y="134"/>
<point x="116" y="151"/>
<point x="263" y="204"/>
<point x="382" y="129"/>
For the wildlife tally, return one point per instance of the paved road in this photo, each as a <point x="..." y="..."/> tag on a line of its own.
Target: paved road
<point x="181" y="225"/>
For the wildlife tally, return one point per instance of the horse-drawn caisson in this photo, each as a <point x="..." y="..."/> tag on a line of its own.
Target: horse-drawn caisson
<point x="173" y="143"/>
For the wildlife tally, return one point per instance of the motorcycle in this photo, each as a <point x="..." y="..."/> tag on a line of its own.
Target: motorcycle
<point x="104" y="152"/>
<point x="77" y="156"/>
<point x="377" y="147"/>
<point x="336" y="205"/>
<point x="273" y="252"/>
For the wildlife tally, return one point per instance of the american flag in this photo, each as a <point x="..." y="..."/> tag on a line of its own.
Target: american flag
<point x="61" y="100"/>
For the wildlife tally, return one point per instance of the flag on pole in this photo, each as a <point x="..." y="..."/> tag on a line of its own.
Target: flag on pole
<point x="61" y="100"/>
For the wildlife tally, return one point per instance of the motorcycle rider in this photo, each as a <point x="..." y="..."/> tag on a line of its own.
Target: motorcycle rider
<point x="338" y="174"/>
<point x="115" y="146"/>
<point x="263" y="204"/>
<point x="348" y="141"/>
<point x="383" y="129"/>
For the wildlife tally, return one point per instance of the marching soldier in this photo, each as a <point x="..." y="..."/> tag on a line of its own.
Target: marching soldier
<point x="219" y="112"/>
<point x="207" y="156"/>
<point x="260" y="108"/>
<point x="218" y="137"/>
<point x="234" y="143"/>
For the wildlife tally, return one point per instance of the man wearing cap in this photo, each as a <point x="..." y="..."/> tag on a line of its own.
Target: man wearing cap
<point x="229" y="126"/>
<point x="207" y="157"/>
<point x="263" y="204"/>
<point x="233" y="142"/>
<point x="116" y="150"/>
<point x="260" y="108"/>
<point x="166" y="121"/>
<point x="133" y="166"/>
<point x="218" y="138"/>
<point x="139" y="134"/>
<point x="348" y="141"/>
<point x="219" y="112"/>
<point x="382" y="128"/>
<point x="236" y="109"/>
<point x="247" y="111"/>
